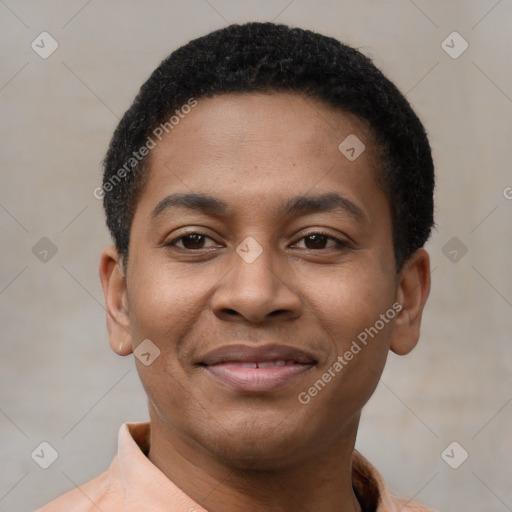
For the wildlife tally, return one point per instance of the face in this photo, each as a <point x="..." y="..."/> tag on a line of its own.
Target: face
<point x="259" y="254"/>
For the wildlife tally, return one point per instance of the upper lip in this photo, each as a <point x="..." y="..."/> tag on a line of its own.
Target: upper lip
<point x="246" y="353"/>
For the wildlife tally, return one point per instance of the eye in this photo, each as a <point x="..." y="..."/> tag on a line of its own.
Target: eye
<point x="195" y="240"/>
<point x="190" y="241"/>
<point x="318" y="239"/>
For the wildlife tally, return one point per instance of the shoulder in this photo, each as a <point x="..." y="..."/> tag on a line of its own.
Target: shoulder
<point x="107" y="491"/>
<point x="89" y="497"/>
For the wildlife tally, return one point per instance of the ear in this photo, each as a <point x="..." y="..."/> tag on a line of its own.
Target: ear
<point x="412" y="294"/>
<point x="113" y="282"/>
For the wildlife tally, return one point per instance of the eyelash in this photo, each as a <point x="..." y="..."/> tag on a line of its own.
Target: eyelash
<point x="339" y="243"/>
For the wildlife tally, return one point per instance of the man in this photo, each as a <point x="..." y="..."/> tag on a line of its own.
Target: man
<point x="269" y="193"/>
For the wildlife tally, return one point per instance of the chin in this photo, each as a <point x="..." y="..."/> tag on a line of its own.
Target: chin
<point x="256" y="447"/>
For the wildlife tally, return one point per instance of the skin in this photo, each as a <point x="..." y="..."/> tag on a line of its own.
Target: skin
<point x="232" y="450"/>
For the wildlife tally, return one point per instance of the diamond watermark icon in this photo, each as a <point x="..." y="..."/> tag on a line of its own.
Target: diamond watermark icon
<point x="351" y="147"/>
<point x="44" y="455"/>
<point x="249" y="249"/>
<point x="454" y="455"/>
<point x="44" y="250"/>
<point x="454" y="45"/>
<point x="44" y="45"/>
<point x="146" y="352"/>
<point x="454" y="249"/>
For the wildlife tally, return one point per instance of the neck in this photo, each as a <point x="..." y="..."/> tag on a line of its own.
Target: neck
<point x="322" y="482"/>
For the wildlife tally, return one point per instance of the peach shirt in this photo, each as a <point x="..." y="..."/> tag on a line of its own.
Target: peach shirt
<point x="134" y="484"/>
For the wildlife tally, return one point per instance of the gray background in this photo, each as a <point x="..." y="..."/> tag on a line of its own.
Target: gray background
<point x="59" y="380"/>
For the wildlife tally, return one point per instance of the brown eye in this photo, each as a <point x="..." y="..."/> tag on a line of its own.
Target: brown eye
<point x="193" y="241"/>
<point x="190" y="241"/>
<point x="315" y="241"/>
<point x="319" y="240"/>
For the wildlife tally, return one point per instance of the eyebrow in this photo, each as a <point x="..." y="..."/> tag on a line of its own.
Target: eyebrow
<point x="202" y="202"/>
<point x="303" y="204"/>
<point x="323" y="203"/>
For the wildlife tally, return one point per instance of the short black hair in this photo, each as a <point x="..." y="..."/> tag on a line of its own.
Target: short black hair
<point x="267" y="57"/>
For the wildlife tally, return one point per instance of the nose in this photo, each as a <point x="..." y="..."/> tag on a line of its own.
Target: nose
<point x="256" y="290"/>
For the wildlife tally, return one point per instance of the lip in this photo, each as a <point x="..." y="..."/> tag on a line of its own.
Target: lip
<point x="239" y="366"/>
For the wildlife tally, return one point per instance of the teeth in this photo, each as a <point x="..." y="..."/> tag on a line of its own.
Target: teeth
<point x="265" y="364"/>
<point x="268" y="364"/>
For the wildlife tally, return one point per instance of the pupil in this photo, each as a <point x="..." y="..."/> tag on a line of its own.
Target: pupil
<point x="320" y="240"/>
<point x="194" y="238"/>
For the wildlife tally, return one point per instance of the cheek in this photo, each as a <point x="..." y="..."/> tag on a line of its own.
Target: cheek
<point x="347" y="300"/>
<point x="343" y="385"/>
<point x="164" y="302"/>
<point x="348" y="304"/>
<point x="160" y="311"/>
<point x="165" y="305"/>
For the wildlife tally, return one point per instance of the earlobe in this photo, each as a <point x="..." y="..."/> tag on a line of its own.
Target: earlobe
<point x="412" y="294"/>
<point x="115" y="293"/>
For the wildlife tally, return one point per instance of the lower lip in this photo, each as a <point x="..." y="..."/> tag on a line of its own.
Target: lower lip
<point x="256" y="379"/>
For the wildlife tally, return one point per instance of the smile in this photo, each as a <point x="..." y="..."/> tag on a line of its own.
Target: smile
<point x="257" y="369"/>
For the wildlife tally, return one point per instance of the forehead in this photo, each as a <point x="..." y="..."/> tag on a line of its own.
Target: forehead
<point x="290" y="121"/>
<point x="254" y="148"/>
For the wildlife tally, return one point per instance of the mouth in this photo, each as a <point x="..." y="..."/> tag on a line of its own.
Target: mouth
<point x="257" y="369"/>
